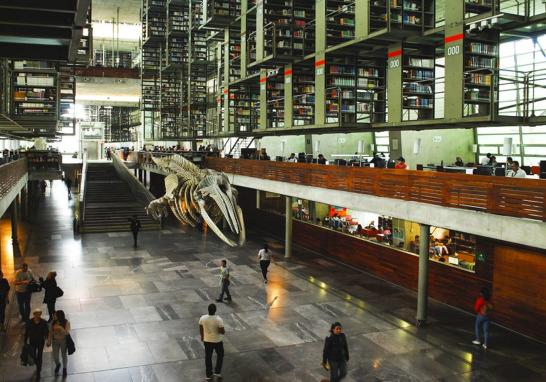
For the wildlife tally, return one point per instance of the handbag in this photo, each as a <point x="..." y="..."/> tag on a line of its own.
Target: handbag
<point x="70" y="346"/>
<point x="59" y="292"/>
<point x="33" y="287"/>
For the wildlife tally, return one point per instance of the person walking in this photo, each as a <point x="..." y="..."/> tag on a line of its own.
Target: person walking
<point x="69" y="187"/>
<point x="23" y="277"/>
<point x="36" y="335"/>
<point x="336" y="353"/>
<point x="135" y="228"/>
<point x="224" y="282"/>
<point x="483" y="308"/>
<point x="4" y="295"/>
<point x="51" y="293"/>
<point x="265" y="256"/>
<point x="211" y="328"/>
<point x="60" y="329"/>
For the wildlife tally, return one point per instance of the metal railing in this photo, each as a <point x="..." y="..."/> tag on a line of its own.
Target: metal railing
<point x="81" y="208"/>
<point x="10" y="174"/>
<point x="489" y="194"/>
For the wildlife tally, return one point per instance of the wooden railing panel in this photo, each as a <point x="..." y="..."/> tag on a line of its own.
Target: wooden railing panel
<point x="10" y="174"/>
<point x="524" y="198"/>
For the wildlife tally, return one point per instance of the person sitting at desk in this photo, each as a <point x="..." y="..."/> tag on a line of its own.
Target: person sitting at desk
<point x="440" y="249"/>
<point x="377" y="161"/>
<point x="487" y="160"/>
<point x="509" y="162"/>
<point x="292" y="158"/>
<point x="459" y="162"/>
<point x="371" y="225"/>
<point x="321" y="159"/>
<point x="493" y="161"/>
<point x="401" y="164"/>
<point x="516" y="172"/>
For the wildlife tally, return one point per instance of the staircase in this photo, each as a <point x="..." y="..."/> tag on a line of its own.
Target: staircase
<point x="109" y="202"/>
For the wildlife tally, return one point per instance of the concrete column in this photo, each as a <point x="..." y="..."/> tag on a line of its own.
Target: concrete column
<point x="258" y="199"/>
<point x="312" y="212"/>
<point x="145" y="176"/>
<point x="140" y="175"/>
<point x="24" y="198"/>
<point x="136" y="172"/>
<point x="422" y="287"/>
<point x="288" y="228"/>
<point x="14" y="221"/>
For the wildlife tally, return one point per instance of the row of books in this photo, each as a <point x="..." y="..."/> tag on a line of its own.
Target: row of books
<point x="480" y="62"/>
<point x="418" y="74"/>
<point x="29" y="79"/>
<point x="413" y="87"/>
<point x="481" y="48"/>
<point x="418" y="102"/>
<point x="420" y="62"/>
<point x="480" y="79"/>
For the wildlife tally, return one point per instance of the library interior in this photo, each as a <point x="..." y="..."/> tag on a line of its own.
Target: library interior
<point x="363" y="177"/>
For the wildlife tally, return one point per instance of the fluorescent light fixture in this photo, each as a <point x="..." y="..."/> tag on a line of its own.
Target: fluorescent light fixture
<point x="127" y="32"/>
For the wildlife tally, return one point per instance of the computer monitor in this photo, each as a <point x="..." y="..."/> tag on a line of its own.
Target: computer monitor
<point x="483" y="170"/>
<point x="500" y="171"/>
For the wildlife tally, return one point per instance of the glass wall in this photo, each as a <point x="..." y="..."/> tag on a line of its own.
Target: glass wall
<point x="449" y="247"/>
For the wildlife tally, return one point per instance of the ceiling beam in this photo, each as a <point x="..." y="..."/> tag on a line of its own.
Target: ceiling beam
<point x="33" y="52"/>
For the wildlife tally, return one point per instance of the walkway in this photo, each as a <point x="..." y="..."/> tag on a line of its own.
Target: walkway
<point x="134" y="314"/>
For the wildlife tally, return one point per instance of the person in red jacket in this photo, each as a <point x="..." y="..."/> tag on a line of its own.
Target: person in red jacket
<point x="483" y="308"/>
<point x="401" y="164"/>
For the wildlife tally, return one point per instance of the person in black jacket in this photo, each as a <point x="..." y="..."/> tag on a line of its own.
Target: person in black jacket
<point x="336" y="353"/>
<point x="4" y="291"/>
<point x="50" y="295"/>
<point x="36" y="334"/>
<point x="135" y="227"/>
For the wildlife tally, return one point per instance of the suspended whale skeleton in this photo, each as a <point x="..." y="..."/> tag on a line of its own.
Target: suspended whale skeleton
<point x="195" y="195"/>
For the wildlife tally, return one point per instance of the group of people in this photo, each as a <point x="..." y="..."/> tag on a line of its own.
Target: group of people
<point x="56" y="331"/>
<point x="9" y="155"/>
<point x="513" y="170"/>
<point x="38" y="333"/>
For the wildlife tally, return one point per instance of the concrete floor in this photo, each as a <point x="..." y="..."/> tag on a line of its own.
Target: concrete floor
<point x="134" y="313"/>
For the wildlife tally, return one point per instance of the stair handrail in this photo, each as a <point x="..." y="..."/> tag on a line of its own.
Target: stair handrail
<point x="140" y="192"/>
<point x="81" y="208"/>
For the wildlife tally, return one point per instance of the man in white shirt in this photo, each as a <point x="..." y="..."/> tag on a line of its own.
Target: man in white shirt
<point x="486" y="160"/>
<point x="516" y="172"/>
<point x="224" y="282"/>
<point x="23" y="277"/>
<point x="211" y="328"/>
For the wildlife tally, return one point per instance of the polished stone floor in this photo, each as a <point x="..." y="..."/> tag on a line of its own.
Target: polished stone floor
<point x="134" y="313"/>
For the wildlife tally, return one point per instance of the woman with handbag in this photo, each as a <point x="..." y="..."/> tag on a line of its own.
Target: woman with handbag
<point x="51" y="293"/>
<point x="59" y="336"/>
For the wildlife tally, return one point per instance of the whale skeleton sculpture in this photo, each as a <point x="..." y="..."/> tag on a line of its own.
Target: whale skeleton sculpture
<point x="193" y="194"/>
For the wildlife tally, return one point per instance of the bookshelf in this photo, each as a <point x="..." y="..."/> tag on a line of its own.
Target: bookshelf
<point x="476" y="7"/>
<point x="378" y="15"/>
<point x="480" y="63"/>
<point x="303" y="90"/>
<point x="67" y="101"/>
<point x="285" y="29"/>
<point x="154" y="21"/>
<point x="244" y="106"/>
<point x="275" y="98"/>
<point x="121" y="124"/>
<point x="340" y="21"/>
<point x="177" y="42"/>
<point x="402" y="14"/>
<point x="220" y="13"/>
<point x="418" y="83"/>
<point x="355" y="90"/>
<point x="34" y="90"/>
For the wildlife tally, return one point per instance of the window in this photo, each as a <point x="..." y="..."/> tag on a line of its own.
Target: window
<point x="448" y="247"/>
